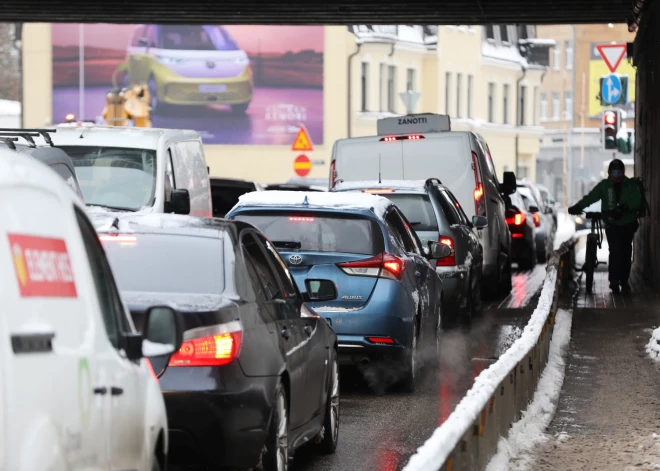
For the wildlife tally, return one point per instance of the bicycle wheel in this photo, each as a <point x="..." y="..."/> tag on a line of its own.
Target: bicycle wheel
<point x="590" y="261"/>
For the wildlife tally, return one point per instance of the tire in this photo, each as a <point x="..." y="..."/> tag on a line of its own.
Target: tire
<point x="475" y="299"/>
<point x="506" y="282"/>
<point x="275" y="456"/>
<point x="240" y="108"/>
<point x="410" y="379"/>
<point x="493" y="284"/>
<point x="528" y="261"/>
<point x="542" y="257"/>
<point x="329" y="434"/>
<point x="590" y="263"/>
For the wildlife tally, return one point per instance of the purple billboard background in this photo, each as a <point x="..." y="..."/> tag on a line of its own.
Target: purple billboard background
<point x="285" y="75"/>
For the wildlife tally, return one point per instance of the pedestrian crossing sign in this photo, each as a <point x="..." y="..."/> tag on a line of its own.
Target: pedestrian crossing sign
<point x="302" y="142"/>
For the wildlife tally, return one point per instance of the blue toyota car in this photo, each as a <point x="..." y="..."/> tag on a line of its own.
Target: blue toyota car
<point x="360" y="266"/>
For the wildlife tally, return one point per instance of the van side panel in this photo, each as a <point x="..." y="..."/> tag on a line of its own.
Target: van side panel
<point x="43" y="294"/>
<point x="190" y="173"/>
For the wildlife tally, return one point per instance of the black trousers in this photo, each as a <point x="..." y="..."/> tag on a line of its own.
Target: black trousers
<point x="620" y="239"/>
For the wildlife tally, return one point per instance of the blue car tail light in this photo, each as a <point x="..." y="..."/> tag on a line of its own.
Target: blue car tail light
<point x="383" y="265"/>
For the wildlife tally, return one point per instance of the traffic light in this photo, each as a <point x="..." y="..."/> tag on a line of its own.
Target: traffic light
<point x="610" y="128"/>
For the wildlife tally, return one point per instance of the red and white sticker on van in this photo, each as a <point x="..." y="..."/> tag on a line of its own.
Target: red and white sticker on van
<point x="42" y="266"/>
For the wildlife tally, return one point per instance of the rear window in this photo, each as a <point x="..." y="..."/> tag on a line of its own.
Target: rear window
<point x="417" y="209"/>
<point x="320" y="232"/>
<point x="225" y="197"/>
<point x="160" y="263"/>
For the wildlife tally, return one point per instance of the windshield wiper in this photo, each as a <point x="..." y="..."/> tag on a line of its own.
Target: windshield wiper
<point x="114" y="208"/>
<point x="287" y="244"/>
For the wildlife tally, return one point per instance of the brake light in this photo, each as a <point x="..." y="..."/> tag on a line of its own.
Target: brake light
<point x="479" y="200"/>
<point x="517" y="236"/>
<point x="537" y="220"/>
<point x="415" y="137"/>
<point x="412" y="137"/>
<point x="151" y="369"/>
<point x="210" y="350"/>
<point x="300" y="219"/>
<point x="382" y="265"/>
<point x="517" y="220"/>
<point x="378" y="190"/>
<point x="388" y="139"/>
<point x="449" y="261"/>
<point x="383" y="340"/>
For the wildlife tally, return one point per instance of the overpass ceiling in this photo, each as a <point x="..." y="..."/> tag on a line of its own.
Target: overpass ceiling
<point x="316" y="12"/>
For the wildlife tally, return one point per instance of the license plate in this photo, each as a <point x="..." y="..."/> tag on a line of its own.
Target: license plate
<point x="213" y="88"/>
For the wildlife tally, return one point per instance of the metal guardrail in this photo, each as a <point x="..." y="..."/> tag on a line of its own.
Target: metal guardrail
<point x="468" y="439"/>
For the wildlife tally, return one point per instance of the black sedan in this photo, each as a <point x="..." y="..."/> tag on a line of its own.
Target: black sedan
<point x="256" y="376"/>
<point x="522" y="219"/>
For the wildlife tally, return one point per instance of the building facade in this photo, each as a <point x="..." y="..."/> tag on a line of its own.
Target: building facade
<point x="488" y="79"/>
<point x="571" y="156"/>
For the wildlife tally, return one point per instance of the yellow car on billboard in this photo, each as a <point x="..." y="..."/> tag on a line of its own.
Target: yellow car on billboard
<point x="189" y="65"/>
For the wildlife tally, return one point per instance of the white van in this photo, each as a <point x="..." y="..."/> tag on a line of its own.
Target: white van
<point x="417" y="147"/>
<point x="139" y="169"/>
<point x="77" y="392"/>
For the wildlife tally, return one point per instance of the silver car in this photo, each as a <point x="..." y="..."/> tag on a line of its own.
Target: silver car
<point x="436" y="216"/>
<point x="543" y="220"/>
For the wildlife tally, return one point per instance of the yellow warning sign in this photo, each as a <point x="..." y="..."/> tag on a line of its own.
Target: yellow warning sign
<point x="302" y="141"/>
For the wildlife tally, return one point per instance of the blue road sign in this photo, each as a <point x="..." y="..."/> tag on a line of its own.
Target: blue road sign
<point x="611" y="89"/>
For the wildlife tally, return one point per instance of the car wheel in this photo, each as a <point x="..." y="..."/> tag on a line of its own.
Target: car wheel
<point x="275" y="456"/>
<point x="240" y="108"/>
<point x="329" y="434"/>
<point x="475" y="299"/>
<point x="411" y="362"/>
<point x="528" y="261"/>
<point x="542" y="257"/>
<point x="493" y="283"/>
<point x="507" y="281"/>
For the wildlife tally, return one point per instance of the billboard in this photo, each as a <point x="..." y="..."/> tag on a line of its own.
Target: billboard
<point x="241" y="85"/>
<point x="597" y="69"/>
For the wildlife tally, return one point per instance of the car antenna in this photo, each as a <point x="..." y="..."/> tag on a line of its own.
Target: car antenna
<point x="115" y="223"/>
<point x="306" y="201"/>
<point x="379" y="167"/>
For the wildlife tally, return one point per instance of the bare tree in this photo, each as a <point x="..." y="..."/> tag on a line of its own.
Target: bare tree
<point x="10" y="68"/>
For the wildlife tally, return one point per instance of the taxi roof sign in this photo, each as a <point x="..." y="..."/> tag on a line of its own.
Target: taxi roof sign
<point x="413" y="123"/>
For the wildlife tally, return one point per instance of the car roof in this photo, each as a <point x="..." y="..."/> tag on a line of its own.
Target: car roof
<point x="46" y="154"/>
<point x="406" y="186"/>
<point x="16" y="170"/>
<point x="434" y="135"/>
<point x="116" y="136"/>
<point x="339" y="201"/>
<point x="165" y="224"/>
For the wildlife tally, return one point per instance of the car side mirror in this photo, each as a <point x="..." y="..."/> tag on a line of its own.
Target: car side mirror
<point x="320" y="290"/>
<point x="439" y="251"/>
<point x="479" y="222"/>
<point x="179" y="202"/>
<point x="142" y="42"/>
<point x="163" y="332"/>
<point x="509" y="183"/>
<point x="534" y="209"/>
<point x="548" y="210"/>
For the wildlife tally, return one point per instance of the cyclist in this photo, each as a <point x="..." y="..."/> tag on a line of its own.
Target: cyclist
<point x="621" y="201"/>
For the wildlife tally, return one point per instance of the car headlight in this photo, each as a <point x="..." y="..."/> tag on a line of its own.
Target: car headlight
<point x="242" y="61"/>
<point x="578" y="220"/>
<point x="169" y="60"/>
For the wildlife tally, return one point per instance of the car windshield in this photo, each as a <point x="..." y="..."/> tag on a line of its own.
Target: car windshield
<point x="115" y="177"/>
<point x="195" y="38"/>
<point x="320" y="232"/>
<point x="165" y="263"/>
<point x="417" y="209"/>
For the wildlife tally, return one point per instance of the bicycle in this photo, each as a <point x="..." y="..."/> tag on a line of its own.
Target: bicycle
<point x="594" y="242"/>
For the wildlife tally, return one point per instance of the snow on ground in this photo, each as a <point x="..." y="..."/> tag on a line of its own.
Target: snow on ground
<point x="653" y="347"/>
<point x="513" y="453"/>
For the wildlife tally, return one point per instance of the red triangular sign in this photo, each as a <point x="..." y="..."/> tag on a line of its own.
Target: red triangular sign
<point x="302" y="142"/>
<point x="612" y="54"/>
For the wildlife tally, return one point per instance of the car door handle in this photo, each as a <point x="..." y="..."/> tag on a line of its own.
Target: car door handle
<point x="285" y="333"/>
<point x="115" y="391"/>
<point x="493" y="200"/>
<point x="308" y="330"/>
<point x="418" y="274"/>
<point x="101" y="391"/>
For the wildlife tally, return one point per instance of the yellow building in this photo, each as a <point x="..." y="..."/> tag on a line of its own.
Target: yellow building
<point x="475" y="74"/>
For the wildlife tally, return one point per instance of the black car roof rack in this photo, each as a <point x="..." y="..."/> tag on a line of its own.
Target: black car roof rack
<point x="430" y="181"/>
<point x="9" y="141"/>
<point x="30" y="132"/>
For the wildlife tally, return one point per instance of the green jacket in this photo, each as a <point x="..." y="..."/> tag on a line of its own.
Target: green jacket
<point x="604" y="191"/>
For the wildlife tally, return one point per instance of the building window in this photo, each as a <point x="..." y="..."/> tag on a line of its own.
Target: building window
<point x="391" y="89"/>
<point x="544" y="106"/>
<point x="410" y="80"/>
<point x="491" y="102"/>
<point x="556" y="58"/>
<point x="364" y="85"/>
<point x="490" y="32"/>
<point x="459" y="83"/>
<point x="535" y="114"/>
<point x="568" y="105"/>
<point x="568" y="47"/>
<point x="522" y="103"/>
<point x="504" y="34"/>
<point x="505" y="104"/>
<point x="469" y="97"/>
<point x="447" y="91"/>
<point x="555" y="105"/>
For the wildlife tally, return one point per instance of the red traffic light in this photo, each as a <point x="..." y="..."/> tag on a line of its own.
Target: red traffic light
<point x="610" y="117"/>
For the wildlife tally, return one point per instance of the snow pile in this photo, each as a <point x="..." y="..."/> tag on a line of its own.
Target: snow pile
<point x="397" y="184"/>
<point x="513" y="453"/>
<point x="445" y="438"/>
<point x="315" y="199"/>
<point x="653" y="347"/>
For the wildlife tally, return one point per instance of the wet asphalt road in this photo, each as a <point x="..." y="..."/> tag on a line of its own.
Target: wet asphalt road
<point x="381" y="432"/>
